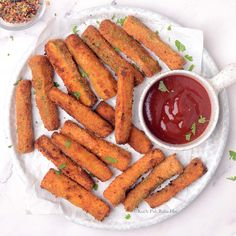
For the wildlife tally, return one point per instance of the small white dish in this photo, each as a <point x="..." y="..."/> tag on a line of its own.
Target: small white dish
<point x="213" y="87"/>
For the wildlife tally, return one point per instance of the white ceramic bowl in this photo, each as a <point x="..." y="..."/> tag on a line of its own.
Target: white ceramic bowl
<point x="213" y="86"/>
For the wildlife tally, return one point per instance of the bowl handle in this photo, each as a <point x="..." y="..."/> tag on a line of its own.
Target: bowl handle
<point x="224" y="78"/>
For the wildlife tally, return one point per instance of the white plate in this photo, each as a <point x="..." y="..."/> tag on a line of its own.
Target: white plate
<point x="32" y="167"/>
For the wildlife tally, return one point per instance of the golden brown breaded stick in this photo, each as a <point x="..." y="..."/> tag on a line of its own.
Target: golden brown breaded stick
<point x="42" y="80"/>
<point x="62" y="61"/>
<point x="101" y="79"/>
<point x="63" y="163"/>
<point x="151" y="40"/>
<point x="82" y="157"/>
<point x="193" y="171"/>
<point x="25" y="134"/>
<point x="107" y="54"/>
<point x="137" y="139"/>
<point x="165" y="170"/>
<point x="62" y="186"/>
<point x="118" y="38"/>
<point x="115" y="193"/>
<point x="124" y="103"/>
<point x="91" y="120"/>
<point x="106" y="151"/>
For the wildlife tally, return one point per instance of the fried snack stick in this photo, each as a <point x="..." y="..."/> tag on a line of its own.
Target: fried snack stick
<point x="82" y="157"/>
<point x="193" y="171"/>
<point x="107" y="54"/>
<point x="62" y="61"/>
<point x="165" y="170"/>
<point x="106" y="151"/>
<point x="118" y="38"/>
<point x="115" y="193"/>
<point x="25" y="134"/>
<point x="63" y="163"/>
<point x="42" y="78"/>
<point x="101" y="79"/>
<point x="137" y="139"/>
<point x="62" y="186"/>
<point x="151" y="40"/>
<point x="124" y="103"/>
<point x="81" y="113"/>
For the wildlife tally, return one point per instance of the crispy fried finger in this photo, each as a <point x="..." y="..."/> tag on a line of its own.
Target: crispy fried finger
<point x="165" y="170"/>
<point x="82" y="157"/>
<point x="118" y="38"/>
<point x="42" y="79"/>
<point x="65" y="165"/>
<point x="64" y="65"/>
<point x="62" y="186"/>
<point x="25" y="134"/>
<point x="115" y="193"/>
<point x="107" y="54"/>
<point x="101" y="79"/>
<point x="124" y="103"/>
<point x="81" y="113"/>
<point x="137" y="139"/>
<point x="106" y="151"/>
<point x="151" y="40"/>
<point x="193" y="171"/>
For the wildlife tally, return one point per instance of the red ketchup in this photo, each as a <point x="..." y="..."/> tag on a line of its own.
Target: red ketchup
<point x="177" y="109"/>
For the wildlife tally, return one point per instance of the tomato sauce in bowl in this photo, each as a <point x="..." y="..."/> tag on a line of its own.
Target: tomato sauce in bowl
<point x="177" y="109"/>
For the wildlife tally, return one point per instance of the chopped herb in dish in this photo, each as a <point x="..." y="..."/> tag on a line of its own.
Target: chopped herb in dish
<point x="191" y="67"/>
<point x="95" y="187"/>
<point x="12" y="37"/>
<point x="128" y="216"/>
<point x="68" y="143"/>
<point x="188" y="136"/>
<point x="56" y="84"/>
<point x="10" y="146"/>
<point x="232" y="155"/>
<point x="180" y="46"/>
<point x="16" y="83"/>
<point x="233" y="178"/>
<point x="77" y="95"/>
<point x="202" y="120"/>
<point x="117" y="49"/>
<point x="169" y="27"/>
<point x="162" y="87"/>
<point x="121" y="21"/>
<point x="75" y="29"/>
<point x="62" y="166"/>
<point x="189" y="58"/>
<point x="110" y="159"/>
<point x="193" y="128"/>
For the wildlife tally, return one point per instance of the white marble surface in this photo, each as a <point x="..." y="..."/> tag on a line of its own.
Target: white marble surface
<point x="214" y="211"/>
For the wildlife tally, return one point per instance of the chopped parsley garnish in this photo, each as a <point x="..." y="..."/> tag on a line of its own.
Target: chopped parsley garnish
<point x="193" y="128"/>
<point x="162" y="87"/>
<point x="8" y="54"/>
<point x="232" y="155"/>
<point x="17" y="82"/>
<point x="128" y="216"/>
<point x="83" y="73"/>
<point x="110" y="159"/>
<point x="202" y="120"/>
<point x="75" y="29"/>
<point x="12" y="37"/>
<point x="92" y="175"/>
<point x="77" y="95"/>
<point x="180" y="46"/>
<point x="56" y="84"/>
<point x="190" y="58"/>
<point x="121" y="21"/>
<point x="233" y="178"/>
<point x="188" y="136"/>
<point x="10" y="146"/>
<point x="113" y="17"/>
<point x="191" y="67"/>
<point x="98" y="22"/>
<point x="95" y="187"/>
<point x="68" y="143"/>
<point x="169" y="28"/>
<point x="157" y="32"/>
<point x="117" y="49"/>
<point x="57" y="172"/>
<point x="62" y="166"/>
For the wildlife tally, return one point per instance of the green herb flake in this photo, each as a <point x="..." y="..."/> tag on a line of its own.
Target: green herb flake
<point x="55" y="14"/>
<point x="233" y="178"/>
<point x="12" y="37"/>
<point x="117" y="49"/>
<point x="56" y="84"/>
<point x="121" y="21"/>
<point x="8" y="54"/>
<point x="67" y="143"/>
<point x="113" y="17"/>
<point x="202" y="120"/>
<point x="180" y="46"/>
<point x="191" y="67"/>
<point x="162" y="87"/>
<point x="98" y="22"/>
<point x="76" y="95"/>
<point x="95" y="187"/>
<point x="110" y="159"/>
<point x="128" y="216"/>
<point x="232" y="155"/>
<point x="62" y="166"/>
<point x="188" y="136"/>
<point x="169" y="27"/>
<point x="83" y="73"/>
<point x="190" y="58"/>
<point x="157" y="32"/>
<point x="194" y="128"/>
<point x="10" y="146"/>
<point x="75" y="29"/>
<point x="91" y="174"/>
<point x="17" y="82"/>
<point x="57" y="172"/>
